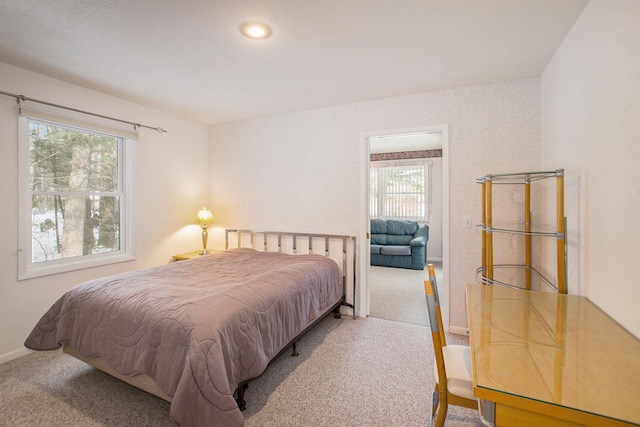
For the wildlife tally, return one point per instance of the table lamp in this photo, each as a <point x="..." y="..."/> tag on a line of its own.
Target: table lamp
<point x="204" y="216"/>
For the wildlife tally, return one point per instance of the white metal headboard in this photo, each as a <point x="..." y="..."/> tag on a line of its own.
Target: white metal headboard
<point x="340" y="248"/>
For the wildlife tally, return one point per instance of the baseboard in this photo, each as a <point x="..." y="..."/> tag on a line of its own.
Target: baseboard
<point x="434" y="259"/>
<point x="458" y="330"/>
<point x="7" y="357"/>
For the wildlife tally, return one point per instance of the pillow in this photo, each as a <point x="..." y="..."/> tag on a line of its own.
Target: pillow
<point x="401" y="227"/>
<point x="379" y="226"/>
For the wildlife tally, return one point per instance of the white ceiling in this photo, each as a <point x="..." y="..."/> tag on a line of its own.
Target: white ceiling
<point x="189" y="57"/>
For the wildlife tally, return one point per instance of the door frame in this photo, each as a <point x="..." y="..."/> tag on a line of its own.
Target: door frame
<point x="365" y="257"/>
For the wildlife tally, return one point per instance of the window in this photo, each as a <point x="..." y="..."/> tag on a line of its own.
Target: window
<point x="399" y="190"/>
<point x="73" y="197"/>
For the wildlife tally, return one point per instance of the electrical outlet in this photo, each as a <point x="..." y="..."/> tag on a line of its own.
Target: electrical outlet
<point x="466" y="222"/>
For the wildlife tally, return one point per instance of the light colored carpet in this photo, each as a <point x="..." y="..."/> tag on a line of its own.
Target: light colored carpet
<point x="51" y="388"/>
<point x="398" y="294"/>
<point x="363" y="372"/>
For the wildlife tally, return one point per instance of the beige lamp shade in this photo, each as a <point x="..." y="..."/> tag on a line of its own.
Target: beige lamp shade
<point x="204" y="216"/>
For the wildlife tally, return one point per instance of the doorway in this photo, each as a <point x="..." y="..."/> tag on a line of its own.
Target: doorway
<point x="386" y="288"/>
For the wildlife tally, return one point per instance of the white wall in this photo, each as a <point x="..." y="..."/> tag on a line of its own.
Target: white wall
<point x="304" y="171"/>
<point x="590" y="125"/>
<point x="170" y="177"/>
<point x="434" y="244"/>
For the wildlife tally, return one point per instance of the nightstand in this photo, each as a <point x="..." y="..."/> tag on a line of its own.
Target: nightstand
<point x="190" y="255"/>
<point x="185" y="256"/>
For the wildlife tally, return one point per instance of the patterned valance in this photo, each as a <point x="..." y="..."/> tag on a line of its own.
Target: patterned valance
<point x="421" y="154"/>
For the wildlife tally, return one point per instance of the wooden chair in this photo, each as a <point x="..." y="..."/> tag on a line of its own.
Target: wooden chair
<point x="454" y="385"/>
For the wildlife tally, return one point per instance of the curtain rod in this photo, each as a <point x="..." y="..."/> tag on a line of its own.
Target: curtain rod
<point x="135" y="125"/>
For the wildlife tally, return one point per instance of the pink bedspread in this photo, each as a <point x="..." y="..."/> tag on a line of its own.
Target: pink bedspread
<point x="198" y="327"/>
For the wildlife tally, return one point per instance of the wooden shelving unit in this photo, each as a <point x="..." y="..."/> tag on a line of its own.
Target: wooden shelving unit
<point x="485" y="273"/>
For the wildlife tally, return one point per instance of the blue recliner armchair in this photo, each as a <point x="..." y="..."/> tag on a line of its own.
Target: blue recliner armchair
<point x="399" y="243"/>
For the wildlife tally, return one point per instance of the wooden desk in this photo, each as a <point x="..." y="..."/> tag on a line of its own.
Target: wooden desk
<point x="546" y="359"/>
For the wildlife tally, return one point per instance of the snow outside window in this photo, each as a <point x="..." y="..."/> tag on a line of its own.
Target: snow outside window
<point x="73" y="197"/>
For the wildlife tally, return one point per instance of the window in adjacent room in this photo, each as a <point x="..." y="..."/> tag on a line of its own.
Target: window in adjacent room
<point x="400" y="189"/>
<point x="73" y="197"/>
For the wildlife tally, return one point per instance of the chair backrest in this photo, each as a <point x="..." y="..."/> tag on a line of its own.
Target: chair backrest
<point x="436" y="294"/>
<point x="435" y="321"/>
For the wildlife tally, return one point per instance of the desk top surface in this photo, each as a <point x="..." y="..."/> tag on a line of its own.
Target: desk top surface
<point x="556" y="349"/>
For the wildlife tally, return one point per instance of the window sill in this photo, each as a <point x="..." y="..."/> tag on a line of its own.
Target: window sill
<point x="65" y="266"/>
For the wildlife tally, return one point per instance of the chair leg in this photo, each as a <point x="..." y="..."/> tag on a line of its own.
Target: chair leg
<point x="435" y="399"/>
<point x="442" y="411"/>
<point x="442" y="415"/>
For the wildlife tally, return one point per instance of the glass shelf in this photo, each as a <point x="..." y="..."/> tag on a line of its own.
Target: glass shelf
<point x="492" y="273"/>
<point x="511" y="276"/>
<point x="519" y="177"/>
<point x="482" y="227"/>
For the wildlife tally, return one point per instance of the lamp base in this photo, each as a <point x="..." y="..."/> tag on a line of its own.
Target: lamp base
<point x="205" y="234"/>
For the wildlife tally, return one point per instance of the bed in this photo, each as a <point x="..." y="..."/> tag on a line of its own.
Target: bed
<point x="195" y="332"/>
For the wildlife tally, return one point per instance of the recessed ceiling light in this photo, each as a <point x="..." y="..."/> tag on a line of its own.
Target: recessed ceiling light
<point x="255" y="30"/>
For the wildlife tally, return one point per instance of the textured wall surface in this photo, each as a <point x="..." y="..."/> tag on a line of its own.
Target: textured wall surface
<point x="590" y="108"/>
<point x="304" y="170"/>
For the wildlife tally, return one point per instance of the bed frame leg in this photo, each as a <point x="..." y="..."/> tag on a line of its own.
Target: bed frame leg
<point x="294" y="351"/>
<point x="239" y="395"/>
<point x="336" y="313"/>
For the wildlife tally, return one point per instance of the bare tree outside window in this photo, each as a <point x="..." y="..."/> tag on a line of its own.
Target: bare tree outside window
<point x="74" y="187"/>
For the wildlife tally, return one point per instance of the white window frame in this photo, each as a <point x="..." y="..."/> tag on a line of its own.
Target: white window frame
<point x="381" y="164"/>
<point x="27" y="269"/>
